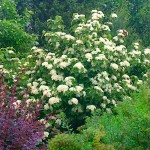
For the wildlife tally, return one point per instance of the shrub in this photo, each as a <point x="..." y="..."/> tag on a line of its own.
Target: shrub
<point x="12" y="35"/>
<point x="89" y="139"/>
<point x="129" y="128"/>
<point x="20" y="128"/>
<point x="86" y="70"/>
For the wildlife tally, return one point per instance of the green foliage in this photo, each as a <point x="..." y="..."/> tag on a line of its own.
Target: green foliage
<point x="87" y="69"/>
<point x="11" y="35"/>
<point x="89" y="139"/>
<point x="8" y="10"/>
<point x="129" y="128"/>
<point x="133" y="15"/>
<point x="12" y="27"/>
<point x="64" y="142"/>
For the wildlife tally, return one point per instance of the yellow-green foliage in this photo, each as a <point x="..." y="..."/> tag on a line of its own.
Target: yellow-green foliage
<point x="88" y="139"/>
<point x="130" y="127"/>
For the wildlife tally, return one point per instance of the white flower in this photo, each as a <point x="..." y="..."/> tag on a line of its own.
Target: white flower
<point x="79" y="88"/>
<point x="136" y="47"/>
<point x="11" y="52"/>
<point x="57" y="77"/>
<point x="29" y="85"/>
<point x="46" y="107"/>
<point x="116" y="38"/>
<point x="69" y="37"/>
<point x="43" y="121"/>
<point x="1" y="66"/>
<point x="146" y="51"/>
<point x="131" y="87"/>
<point x="137" y="44"/>
<point x="45" y="64"/>
<point x="113" y="102"/>
<point x="113" y="15"/>
<point x="28" y="72"/>
<point x="98" y="88"/>
<point x="53" y="72"/>
<point x="29" y="56"/>
<point x="114" y="66"/>
<point x="63" y="65"/>
<point x="54" y="100"/>
<point x="49" y="66"/>
<point x="43" y="82"/>
<point x="35" y="84"/>
<point x="79" y="41"/>
<point x="43" y="88"/>
<point x="91" y="107"/>
<point x="78" y="65"/>
<point x="47" y="93"/>
<point x="125" y="76"/>
<point x="105" y="27"/>
<point x="104" y="98"/>
<point x="73" y="101"/>
<point x="125" y="64"/>
<point x="46" y="134"/>
<point x="62" y="88"/>
<point x="139" y="82"/>
<point x="114" y="77"/>
<point x="103" y="105"/>
<point x="47" y="125"/>
<point x="94" y="11"/>
<point x="72" y="89"/>
<point x="57" y="44"/>
<point x="58" y="121"/>
<point x="69" y="80"/>
<point x="88" y="56"/>
<point x="48" y="58"/>
<point x="134" y="52"/>
<point x="100" y="57"/>
<point x="34" y="90"/>
<point x="17" y="103"/>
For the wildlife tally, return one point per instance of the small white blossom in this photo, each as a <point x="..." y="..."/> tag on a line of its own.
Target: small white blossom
<point x="73" y="101"/>
<point x="62" y="88"/>
<point x="78" y="65"/>
<point x="46" y="107"/>
<point x="54" y="100"/>
<point x="91" y="107"/>
<point x="88" y="56"/>
<point x="113" y="15"/>
<point x="146" y="51"/>
<point x="114" y="66"/>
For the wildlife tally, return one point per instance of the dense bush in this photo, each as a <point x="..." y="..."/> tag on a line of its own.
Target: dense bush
<point x="86" y="70"/>
<point x="127" y="129"/>
<point x="89" y="139"/>
<point x="20" y="128"/>
<point x="11" y="35"/>
<point x="12" y="27"/>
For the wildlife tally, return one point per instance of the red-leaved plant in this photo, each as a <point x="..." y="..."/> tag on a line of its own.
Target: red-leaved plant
<point x="19" y="125"/>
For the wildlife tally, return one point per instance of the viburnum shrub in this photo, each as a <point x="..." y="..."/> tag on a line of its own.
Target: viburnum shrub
<point x="19" y="125"/>
<point x="87" y="69"/>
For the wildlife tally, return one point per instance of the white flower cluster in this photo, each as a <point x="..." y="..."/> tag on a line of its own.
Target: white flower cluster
<point x="90" y="71"/>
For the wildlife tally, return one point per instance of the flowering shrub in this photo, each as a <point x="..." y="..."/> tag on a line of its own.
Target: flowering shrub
<point x="20" y="128"/>
<point x="87" y="70"/>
